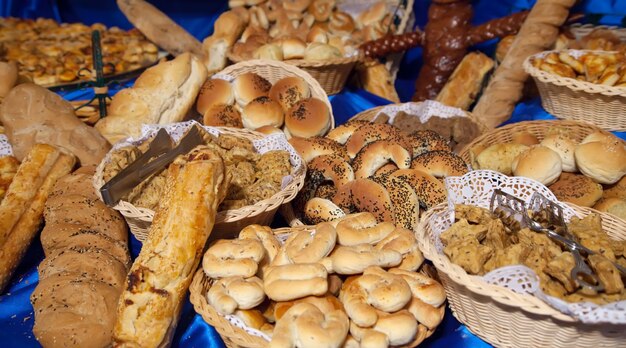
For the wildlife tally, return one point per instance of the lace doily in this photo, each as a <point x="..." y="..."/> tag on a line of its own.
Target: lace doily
<point x="423" y="110"/>
<point x="5" y="146"/>
<point x="476" y="188"/>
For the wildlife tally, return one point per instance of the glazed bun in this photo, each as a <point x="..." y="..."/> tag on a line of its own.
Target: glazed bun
<point x="604" y="162"/>
<point x="248" y="87"/>
<point x="321" y="51"/>
<point x="262" y="111"/>
<point x="214" y="92"/>
<point x="222" y="116"/>
<point x="293" y="48"/>
<point x="289" y="91"/>
<point x="308" y="118"/>
<point x="577" y="189"/>
<point x="565" y="147"/>
<point x="539" y="163"/>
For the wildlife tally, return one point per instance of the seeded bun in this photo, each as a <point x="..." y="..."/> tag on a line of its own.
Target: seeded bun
<point x="598" y="136"/>
<point x="289" y="91"/>
<point x="539" y="163"/>
<point x="262" y="111"/>
<point x="308" y="118"/>
<point x="617" y="190"/>
<point x="222" y="116"/>
<point x="214" y="92"/>
<point x="248" y="87"/>
<point x="577" y="189"/>
<point x="604" y="162"/>
<point x="565" y="147"/>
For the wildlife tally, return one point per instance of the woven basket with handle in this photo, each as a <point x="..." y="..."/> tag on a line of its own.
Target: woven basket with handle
<point x="235" y="337"/>
<point x="508" y="319"/>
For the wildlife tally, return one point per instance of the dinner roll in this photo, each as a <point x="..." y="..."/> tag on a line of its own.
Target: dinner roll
<point x="577" y="189"/>
<point x="248" y="87"/>
<point x="613" y="206"/>
<point x="565" y="147"/>
<point x="222" y="116"/>
<point x="598" y="136"/>
<point x="214" y="92"/>
<point x="293" y="48"/>
<point x="617" y="190"/>
<point x="321" y="51"/>
<point x="262" y="111"/>
<point x="267" y="130"/>
<point x="539" y="163"/>
<point x="499" y="157"/>
<point x="308" y="118"/>
<point x="289" y="91"/>
<point x="317" y="34"/>
<point x="525" y="138"/>
<point x="270" y="51"/>
<point x="604" y="162"/>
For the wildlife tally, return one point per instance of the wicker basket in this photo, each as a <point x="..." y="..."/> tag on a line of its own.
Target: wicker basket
<point x="581" y="30"/>
<point x="333" y="74"/>
<point x="234" y="336"/>
<point x="227" y="222"/>
<point x="576" y="100"/>
<point x="273" y="71"/>
<point x="576" y="131"/>
<point x="507" y="319"/>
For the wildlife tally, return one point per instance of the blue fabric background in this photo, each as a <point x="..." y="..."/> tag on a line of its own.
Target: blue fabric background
<point x="16" y="317"/>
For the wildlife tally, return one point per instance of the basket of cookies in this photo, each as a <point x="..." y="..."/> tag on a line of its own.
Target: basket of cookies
<point x="321" y="37"/>
<point x="263" y="172"/>
<point x="268" y="96"/>
<point x="582" y="85"/>
<point x="579" y="162"/>
<point x="523" y="270"/>
<point x="324" y="285"/>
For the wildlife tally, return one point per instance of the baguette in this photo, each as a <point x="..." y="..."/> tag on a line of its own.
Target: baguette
<point x="538" y="33"/>
<point x="158" y="280"/>
<point x="32" y="183"/>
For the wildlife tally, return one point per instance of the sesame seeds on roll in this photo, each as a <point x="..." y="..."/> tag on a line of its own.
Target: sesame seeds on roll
<point x="248" y="87"/>
<point x="440" y="164"/>
<point x="289" y="91"/>
<point x="307" y="118"/>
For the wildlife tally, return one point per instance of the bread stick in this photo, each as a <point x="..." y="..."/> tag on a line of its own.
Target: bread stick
<point x="158" y="280"/>
<point x="27" y="213"/>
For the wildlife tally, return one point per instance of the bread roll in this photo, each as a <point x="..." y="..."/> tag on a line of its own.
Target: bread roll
<point x="317" y="34"/>
<point x="162" y="94"/>
<point x="499" y="157"/>
<point x="604" y="162"/>
<point x="226" y="31"/>
<point x="262" y="111"/>
<point x="289" y="91"/>
<point x="293" y="48"/>
<point x="32" y="114"/>
<point x="525" y="138"/>
<point x="613" y="206"/>
<point x="214" y="92"/>
<point x="270" y="51"/>
<point x="267" y="130"/>
<point x="308" y="118"/>
<point x="372" y="15"/>
<point x="565" y="147"/>
<point x="222" y="116"/>
<point x="149" y="306"/>
<point x="8" y="77"/>
<point x="617" y="190"/>
<point x="248" y="87"/>
<point x="321" y="51"/>
<point x="539" y="163"/>
<point x="577" y="189"/>
<point x="598" y="136"/>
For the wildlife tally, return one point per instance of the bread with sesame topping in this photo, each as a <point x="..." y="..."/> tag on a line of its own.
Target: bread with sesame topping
<point x="248" y="87"/>
<point x="222" y="116"/>
<point x="603" y="161"/>
<point x="308" y="118"/>
<point x="214" y="92"/>
<point x="440" y="164"/>
<point x="289" y="91"/>
<point x="577" y="189"/>
<point x="309" y="148"/>
<point x="376" y="154"/>
<point x="262" y="111"/>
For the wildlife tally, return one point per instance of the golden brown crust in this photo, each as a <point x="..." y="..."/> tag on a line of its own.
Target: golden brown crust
<point x="577" y="189"/>
<point x="307" y="118"/>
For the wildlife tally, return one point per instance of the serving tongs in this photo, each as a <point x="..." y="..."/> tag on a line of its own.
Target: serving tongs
<point x="511" y="208"/>
<point x="160" y="153"/>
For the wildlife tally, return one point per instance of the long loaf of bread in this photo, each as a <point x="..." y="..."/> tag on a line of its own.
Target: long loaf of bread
<point x="22" y="209"/>
<point x="538" y="33"/>
<point x="158" y="280"/>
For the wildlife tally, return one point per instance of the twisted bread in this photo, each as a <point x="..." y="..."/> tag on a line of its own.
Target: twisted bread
<point x="304" y="247"/>
<point x="229" y="258"/>
<point x="404" y="242"/>
<point x="391" y="329"/>
<point x="362" y="228"/>
<point x="267" y="238"/>
<point x="378" y="153"/>
<point x="326" y="304"/>
<point x="355" y="259"/>
<point x="428" y="295"/>
<point x="293" y="281"/>
<point x="229" y="294"/>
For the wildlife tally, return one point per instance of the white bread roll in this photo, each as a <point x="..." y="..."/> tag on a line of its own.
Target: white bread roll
<point x="293" y="48"/>
<point x="321" y="51"/>
<point x="248" y="87"/>
<point x="214" y="92"/>
<point x="598" y="136"/>
<point x="308" y="118"/>
<point x="162" y="94"/>
<point x="262" y="111"/>
<point x="289" y="91"/>
<point x="604" y="162"/>
<point x="539" y="163"/>
<point x="565" y="147"/>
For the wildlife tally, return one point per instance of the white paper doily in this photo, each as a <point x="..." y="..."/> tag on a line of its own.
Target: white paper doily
<point x="5" y="146"/>
<point x="475" y="188"/>
<point x="423" y="110"/>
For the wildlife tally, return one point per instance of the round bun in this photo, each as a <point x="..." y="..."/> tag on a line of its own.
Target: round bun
<point x="270" y="51"/>
<point x="565" y="147"/>
<point x="222" y="116"/>
<point x="308" y="118"/>
<point x="604" y="162"/>
<point x="293" y="48"/>
<point x="214" y="92"/>
<point x="577" y="189"/>
<point x="262" y="111"/>
<point x="248" y="87"/>
<point x="289" y="91"/>
<point x="440" y="164"/>
<point x="539" y="163"/>
<point x="598" y="136"/>
<point x="267" y="130"/>
<point x="321" y="51"/>
<point x="317" y="34"/>
<point x="617" y="190"/>
<point x="613" y="206"/>
<point x="525" y="138"/>
<point x="499" y="157"/>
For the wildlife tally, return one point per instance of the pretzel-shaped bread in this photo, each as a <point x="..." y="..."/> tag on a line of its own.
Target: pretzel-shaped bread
<point x="362" y="228"/>
<point x="229" y="294"/>
<point x="305" y="247"/>
<point x="229" y="258"/>
<point x="293" y="281"/>
<point x="404" y="242"/>
<point x="355" y="259"/>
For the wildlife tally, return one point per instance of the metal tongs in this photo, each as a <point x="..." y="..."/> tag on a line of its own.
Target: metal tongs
<point x="160" y="153"/>
<point x="508" y="206"/>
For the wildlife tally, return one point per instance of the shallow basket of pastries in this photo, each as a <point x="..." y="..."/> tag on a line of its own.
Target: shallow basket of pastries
<point x="263" y="171"/>
<point x="323" y="285"/>
<point x="582" y="85"/>
<point x="511" y="281"/>
<point x="321" y="37"/>
<point x="579" y="162"/>
<point x="267" y="96"/>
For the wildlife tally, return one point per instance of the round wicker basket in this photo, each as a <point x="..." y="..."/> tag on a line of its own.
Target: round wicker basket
<point x="235" y="337"/>
<point x="273" y="71"/>
<point x="576" y="100"/>
<point x="227" y="222"/>
<point x="575" y="130"/>
<point x="507" y="319"/>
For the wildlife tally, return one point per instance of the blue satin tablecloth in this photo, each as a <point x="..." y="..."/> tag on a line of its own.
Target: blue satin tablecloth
<point x="16" y="315"/>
